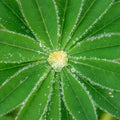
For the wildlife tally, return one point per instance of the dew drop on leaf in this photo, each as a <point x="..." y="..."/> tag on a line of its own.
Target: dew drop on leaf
<point x="58" y="60"/>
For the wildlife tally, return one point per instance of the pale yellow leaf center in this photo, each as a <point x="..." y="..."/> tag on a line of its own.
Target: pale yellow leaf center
<point x="58" y="60"/>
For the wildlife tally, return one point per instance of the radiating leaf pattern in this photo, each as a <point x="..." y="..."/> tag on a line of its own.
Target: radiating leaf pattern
<point x="88" y="31"/>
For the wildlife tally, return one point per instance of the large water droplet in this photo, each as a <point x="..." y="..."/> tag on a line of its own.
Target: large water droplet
<point x="58" y="60"/>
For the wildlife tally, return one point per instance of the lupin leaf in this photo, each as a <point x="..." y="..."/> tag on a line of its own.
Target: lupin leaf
<point x="35" y="106"/>
<point x="80" y="106"/>
<point x="102" y="72"/>
<point x="15" y="85"/>
<point x="38" y="37"/>
<point x="109" y="22"/>
<point x="68" y="25"/>
<point x="16" y="48"/>
<point x="54" y="111"/>
<point x="94" y="14"/>
<point x="105" y="46"/>
<point x="7" y="70"/>
<point x="11" y="17"/>
<point x="105" y="99"/>
<point x="41" y="20"/>
<point x="64" y="112"/>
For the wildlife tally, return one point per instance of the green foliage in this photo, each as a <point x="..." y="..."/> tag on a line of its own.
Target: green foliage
<point x="87" y="31"/>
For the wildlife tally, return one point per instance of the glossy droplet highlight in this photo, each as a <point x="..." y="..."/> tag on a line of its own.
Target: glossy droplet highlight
<point x="58" y="60"/>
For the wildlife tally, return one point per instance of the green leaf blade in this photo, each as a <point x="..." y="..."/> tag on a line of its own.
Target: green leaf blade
<point x="19" y="86"/>
<point x="109" y="22"/>
<point x="104" y="46"/>
<point x="16" y="48"/>
<point x="64" y="112"/>
<point x="105" y="99"/>
<point x="80" y="105"/>
<point x="7" y="70"/>
<point x="87" y="31"/>
<point x="11" y="17"/>
<point x="41" y="21"/>
<point x="35" y="106"/>
<point x="100" y="72"/>
<point x="94" y="14"/>
<point x="54" y="109"/>
<point x="70" y="18"/>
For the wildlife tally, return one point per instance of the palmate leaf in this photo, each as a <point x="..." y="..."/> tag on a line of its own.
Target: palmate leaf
<point x="55" y="104"/>
<point x="16" y="48"/>
<point x="30" y="109"/>
<point x="41" y="21"/>
<point x="83" y="36"/>
<point x="105" y="99"/>
<point x="11" y="17"/>
<point x="100" y="46"/>
<point x="104" y="73"/>
<point x="79" y="110"/>
<point x="108" y="22"/>
<point x="6" y="70"/>
<point x="15" y="85"/>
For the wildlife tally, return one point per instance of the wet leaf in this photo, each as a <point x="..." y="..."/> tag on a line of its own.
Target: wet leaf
<point x="33" y="33"/>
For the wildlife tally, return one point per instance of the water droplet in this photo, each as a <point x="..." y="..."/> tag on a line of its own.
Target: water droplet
<point x="40" y="104"/>
<point x="27" y="31"/>
<point x="45" y="94"/>
<point x="58" y="60"/>
<point x="48" y="87"/>
<point x="41" y="44"/>
<point x="111" y="95"/>
<point x="23" y="27"/>
<point x="78" y="112"/>
<point x="73" y="70"/>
